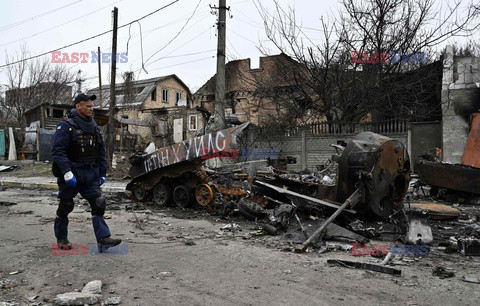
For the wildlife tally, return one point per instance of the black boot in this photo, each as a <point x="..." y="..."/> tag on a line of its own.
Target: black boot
<point x="61" y="233"/>
<point x="106" y="243"/>
<point x="64" y="244"/>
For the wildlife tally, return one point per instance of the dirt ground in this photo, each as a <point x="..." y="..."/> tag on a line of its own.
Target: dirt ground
<point x="185" y="258"/>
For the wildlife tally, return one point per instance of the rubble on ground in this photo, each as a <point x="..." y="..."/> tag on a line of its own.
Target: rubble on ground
<point x="91" y="294"/>
<point x="364" y="195"/>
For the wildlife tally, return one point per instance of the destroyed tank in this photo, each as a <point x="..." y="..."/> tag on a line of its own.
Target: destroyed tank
<point x="382" y="166"/>
<point x="175" y="173"/>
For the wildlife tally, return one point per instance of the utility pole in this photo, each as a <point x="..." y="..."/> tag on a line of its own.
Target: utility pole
<point x="79" y="82"/>
<point x="111" y="113"/>
<point x="220" y="77"/>
<point x="100" y="98"/>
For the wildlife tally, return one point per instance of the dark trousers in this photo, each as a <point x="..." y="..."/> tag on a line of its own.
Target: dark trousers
<point x="91" y="192"/>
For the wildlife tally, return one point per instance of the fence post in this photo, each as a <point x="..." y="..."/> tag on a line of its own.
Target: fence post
<point x="303" y="131"/>
<point x="12" y="151"/>
<point x="409" y="146"/>
<point x="38" y="141"/>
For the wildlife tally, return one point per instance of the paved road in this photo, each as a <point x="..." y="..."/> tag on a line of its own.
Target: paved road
<point x="164" y="267"/>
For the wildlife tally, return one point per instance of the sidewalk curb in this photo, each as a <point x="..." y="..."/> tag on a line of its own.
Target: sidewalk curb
<point x="14" y="184"/>
<point x="51" y="186"/>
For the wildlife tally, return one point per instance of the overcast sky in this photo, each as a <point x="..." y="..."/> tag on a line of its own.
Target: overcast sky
<point x="44" y="26"/>
<point x="180" y="39"/>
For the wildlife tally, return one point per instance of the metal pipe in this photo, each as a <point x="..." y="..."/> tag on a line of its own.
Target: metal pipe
<point x="352" y="200"/>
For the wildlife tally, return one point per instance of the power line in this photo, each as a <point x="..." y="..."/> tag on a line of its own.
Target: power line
<point x="189" y="41"/>
<point x="182" y="55"/>
<point x="52" y="28"/>
<point x="233" y="47"/>
<point x="197" y="60"/>
<point x="242" y="36"/>
<point x="171" y="23"/>
<point x="35" y="17"/>
<point x="106" y="47"/>
<point x="179" y="32"/>
<point x="187" y="54"/>
<point x="92" y="37"/>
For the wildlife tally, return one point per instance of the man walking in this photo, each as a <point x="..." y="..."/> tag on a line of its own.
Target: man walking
<point x="80" y="165"/>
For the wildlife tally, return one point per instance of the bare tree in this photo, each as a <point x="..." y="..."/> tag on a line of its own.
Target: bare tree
<point x="33" y="82"/>
<point x="128" y="88"/>
<point x="330" y="83"/>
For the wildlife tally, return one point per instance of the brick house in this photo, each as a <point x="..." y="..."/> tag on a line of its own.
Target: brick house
<point x="157" y="109"/>
<point x="256" y="94"/>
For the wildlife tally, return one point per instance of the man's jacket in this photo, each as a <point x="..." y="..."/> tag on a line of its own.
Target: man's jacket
<point x="67" y="155"/>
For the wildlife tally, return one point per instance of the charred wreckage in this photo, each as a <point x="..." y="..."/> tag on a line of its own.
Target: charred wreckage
<point x="366" y="182"/>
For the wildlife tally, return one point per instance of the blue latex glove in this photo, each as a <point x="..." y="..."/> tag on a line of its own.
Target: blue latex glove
<point x="70" y="179"/>
<point x="101" y="180"/>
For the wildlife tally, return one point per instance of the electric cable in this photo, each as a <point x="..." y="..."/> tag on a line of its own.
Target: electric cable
<point x="86" y="39"/>
<point x="6" y="27"/>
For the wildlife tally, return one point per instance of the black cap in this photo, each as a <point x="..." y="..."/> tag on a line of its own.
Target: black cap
<point x="83" y="97"/>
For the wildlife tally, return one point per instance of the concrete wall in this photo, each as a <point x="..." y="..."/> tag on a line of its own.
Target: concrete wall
<point x="460" y="98"/>
<point x="426" y="137"/>
<point x="310" y="150"/>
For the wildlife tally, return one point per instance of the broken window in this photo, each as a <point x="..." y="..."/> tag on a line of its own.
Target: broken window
<point x="178" y="96"/>
<point x="57" y="113"/>
<point x="164" y="95"/>
<point x="154" y="94"/>
<point x="192" y="122"/>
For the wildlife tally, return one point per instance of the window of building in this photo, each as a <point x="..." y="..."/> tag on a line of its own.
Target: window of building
<point x="154" y="94"/>
<point x="57" y="113"/>
<point x="178" y="96"/>
<point x="164" y="95"/>
<point x="192" y="122"/>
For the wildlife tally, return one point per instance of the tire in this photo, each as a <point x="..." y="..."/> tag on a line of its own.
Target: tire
<point x="162" y="195"/>
<point x="250" y="209"/>
<point x="182" y="196"/>
<point x="139" y="192"/>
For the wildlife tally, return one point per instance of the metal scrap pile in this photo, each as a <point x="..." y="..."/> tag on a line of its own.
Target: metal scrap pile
<point x="358" y="196"/>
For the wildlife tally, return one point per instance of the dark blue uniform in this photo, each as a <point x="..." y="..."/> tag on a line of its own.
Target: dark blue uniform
<point x="78" y="147"/>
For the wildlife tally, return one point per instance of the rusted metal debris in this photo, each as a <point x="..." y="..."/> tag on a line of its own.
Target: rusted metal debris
<point x="437" y="211"/>
<point x="455" y="177"/>
<point x="463" y="177"/>
<point x="372" y="175"/>
<point x="333" y="231"/>
<point x="469" y="240"/>
<point x="470" y="155"/>
<point x="364" y="266"/>
<point x="383" y="166"/>
<point x="175" y="172"/>
<point x="442" y="272"/>
<point x="353" y="200"/>
<point x="295" y="195"/>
